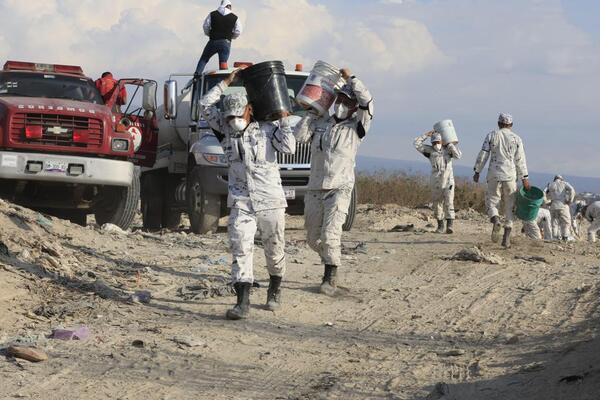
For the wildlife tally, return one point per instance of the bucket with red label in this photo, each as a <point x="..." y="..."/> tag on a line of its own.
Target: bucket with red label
<point x="319" y="90"/>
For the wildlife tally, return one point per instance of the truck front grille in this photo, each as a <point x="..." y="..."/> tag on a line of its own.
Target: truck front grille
<point x="93" y="127"/>
<point x="302" y="156"/>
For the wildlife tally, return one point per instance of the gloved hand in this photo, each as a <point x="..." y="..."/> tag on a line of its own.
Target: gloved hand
<point x="526" y="184"/>
<point x="476" y="177"/>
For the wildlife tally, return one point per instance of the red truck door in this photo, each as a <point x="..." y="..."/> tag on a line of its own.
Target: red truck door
<point x="128" y="106"/>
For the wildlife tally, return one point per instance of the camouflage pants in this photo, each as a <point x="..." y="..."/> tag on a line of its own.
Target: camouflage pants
<point x="325" y="212"/>
<point x="243" y="226"/>
<point x="443" y="200"/>
<point x="497" y="191"/>
<point x="562" y="216"/>
<point x="593" y="231"/>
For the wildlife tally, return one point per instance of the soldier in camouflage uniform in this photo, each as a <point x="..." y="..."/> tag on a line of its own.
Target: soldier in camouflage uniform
<point x="334" y="143"/>
<point x="256" y="197"/>
<point x="442" y="177"/>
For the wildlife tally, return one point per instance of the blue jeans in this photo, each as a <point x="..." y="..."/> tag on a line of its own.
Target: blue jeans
<point x="222" y="47"/>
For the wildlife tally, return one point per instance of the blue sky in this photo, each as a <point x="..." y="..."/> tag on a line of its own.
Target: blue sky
<point x="466" y="60"/>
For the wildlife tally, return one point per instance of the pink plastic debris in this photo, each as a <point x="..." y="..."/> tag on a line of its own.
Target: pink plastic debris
<point x="81" y="333"/>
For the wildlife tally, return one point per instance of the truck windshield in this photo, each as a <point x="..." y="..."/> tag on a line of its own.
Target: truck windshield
<point x="24" y="84"/>
<point x="294" y="83"/>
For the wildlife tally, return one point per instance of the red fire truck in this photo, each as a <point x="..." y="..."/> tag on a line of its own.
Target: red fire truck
<point x="66" y="151"/>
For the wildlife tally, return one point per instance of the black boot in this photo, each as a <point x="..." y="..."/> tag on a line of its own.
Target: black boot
<point x="440" y="228"/>
<point x="329" y="285"/>
<point x="450" y="226"/>
<point x="496" y="229"/>
<point x="242" y="308"/>
<point x="274" y="293"/>
<point x="506" y="238"/>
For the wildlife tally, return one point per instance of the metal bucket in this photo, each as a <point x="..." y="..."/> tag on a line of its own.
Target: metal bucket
<point x="446" y="129"/>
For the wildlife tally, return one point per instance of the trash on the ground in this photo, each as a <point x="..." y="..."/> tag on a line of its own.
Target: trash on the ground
<point x="138" y="343"/>
<point x="359" y="248"/>
<point x="451" y="353"/>
<point x="81" y="333"/>
<point x="43" y="221"/>
<point x="222" y="261"/>
<point x="141" y="296"/>
<point x="533" y="367"/>
<point x="475" y="254"/>
<point x="27" y="353"/>
<point x="112" y="228"/>
<point x="188" y="341"/>
<point x="532" y="259"/>
<point x="205" y="291"/>
<point x="201" y="269"/>
<point x="4" y="249"/>
<point x="403" y="228"/>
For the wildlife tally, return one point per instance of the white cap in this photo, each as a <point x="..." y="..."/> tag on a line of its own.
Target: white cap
<point x="505" y="119"/>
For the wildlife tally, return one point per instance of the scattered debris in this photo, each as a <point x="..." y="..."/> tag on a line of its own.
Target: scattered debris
<point x="359" y="248"/>
<point x="532" y="259"/>
<point x="27" y="353"/>
<point x="138" y="344"/>
<point x="571" y="379"/>
<point x="111" y="228"/>
<point x="533" y="367"/>
<point x="4" y="249"/>
<point x="205" y="291"/>
<point x="452" y="353"/>
<point x="141" y="296"/>
<point x="513" y="340"/>
<point x="188" y="341"/>
<point x="43" y="221"/>
<point x="475" y="254"/>
<point x="81" y="333"/>
<point x="403" y="228"/>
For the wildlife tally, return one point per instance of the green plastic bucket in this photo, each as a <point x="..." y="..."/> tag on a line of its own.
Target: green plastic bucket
<point x="529" y="203"/>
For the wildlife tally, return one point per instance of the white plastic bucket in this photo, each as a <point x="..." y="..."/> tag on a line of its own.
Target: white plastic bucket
<point x="319" y="90"/>
<point x="447" y="130"/>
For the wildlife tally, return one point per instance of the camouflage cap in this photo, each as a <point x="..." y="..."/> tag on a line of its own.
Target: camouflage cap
<point x="347" y="91"/>
<point x="436" y="137"/>
<point x="234" y="105"/>
<point x="505" y="119"/>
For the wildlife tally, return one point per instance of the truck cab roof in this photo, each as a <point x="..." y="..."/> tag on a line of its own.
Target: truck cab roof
<point x="57" y="69"/>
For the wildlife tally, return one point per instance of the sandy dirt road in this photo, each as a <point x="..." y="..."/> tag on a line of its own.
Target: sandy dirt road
<point x="406" y="320"/>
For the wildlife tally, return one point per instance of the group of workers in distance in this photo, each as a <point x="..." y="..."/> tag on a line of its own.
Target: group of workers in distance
<point x="504" y="151"/>
<point x="256" y="197"/>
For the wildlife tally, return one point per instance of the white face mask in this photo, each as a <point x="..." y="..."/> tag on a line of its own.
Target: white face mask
<point x="341" y="111"/>
<point x="437" y="147"/>
<point x="238" y="124"/>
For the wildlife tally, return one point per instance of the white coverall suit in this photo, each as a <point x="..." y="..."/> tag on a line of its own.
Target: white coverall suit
<point x="256" y="197"/>
<point x="561" y="194"/>
<point x="334" y="145"/>
<point x="506" y="154"/>
<point x="592" y="214"/>
<point x="442" y="176"/>
<point x="543" y="223"/>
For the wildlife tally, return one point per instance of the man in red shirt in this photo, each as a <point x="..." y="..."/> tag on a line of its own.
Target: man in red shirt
<point x="107" y="85"/>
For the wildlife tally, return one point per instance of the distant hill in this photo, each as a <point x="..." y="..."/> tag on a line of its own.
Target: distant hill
<point x="540" y="179"/>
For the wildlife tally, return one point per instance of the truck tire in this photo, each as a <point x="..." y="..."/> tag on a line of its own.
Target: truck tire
<point x="171" y="217"/>
<point x="347" y="227"/>
<point x="117" y="205"/>
<point x="152" y="201"/>
<point x="204" y="209"/>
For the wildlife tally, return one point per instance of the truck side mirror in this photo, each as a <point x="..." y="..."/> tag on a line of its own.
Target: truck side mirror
<point x="149" y="96"/>
<point x="170" y="99"/>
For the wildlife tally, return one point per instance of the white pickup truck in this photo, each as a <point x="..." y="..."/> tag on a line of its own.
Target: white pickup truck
<point x="190" y="173"/>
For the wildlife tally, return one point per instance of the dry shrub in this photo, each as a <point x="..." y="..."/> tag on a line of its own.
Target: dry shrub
<point x="413" y="190"/>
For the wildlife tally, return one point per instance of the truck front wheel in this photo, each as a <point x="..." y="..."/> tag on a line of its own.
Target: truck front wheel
<point x="117" y="205"/>
<point x="347" y="227"/>
<point x="204" y="209"/>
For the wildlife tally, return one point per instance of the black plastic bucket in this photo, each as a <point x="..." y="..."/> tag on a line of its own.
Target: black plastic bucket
<point x="267" y="90"/>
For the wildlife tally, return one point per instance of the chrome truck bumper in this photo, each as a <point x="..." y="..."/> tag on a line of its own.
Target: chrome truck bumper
<point x="63" y="168"/>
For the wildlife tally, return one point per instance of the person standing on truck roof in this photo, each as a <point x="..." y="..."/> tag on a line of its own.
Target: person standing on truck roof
<point x="561" y="195"/>
<point x="334" y="143"/>
<point x="256" y="197"/>
<point x="506" y="154"/>
<point x="221" y="26"/>
<point x="107" y="85"/>
<point x="442" y="177"/>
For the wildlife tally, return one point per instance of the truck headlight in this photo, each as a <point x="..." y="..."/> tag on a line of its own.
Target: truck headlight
<point x="120" y="145"/>
<point x="216" y="159"/>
